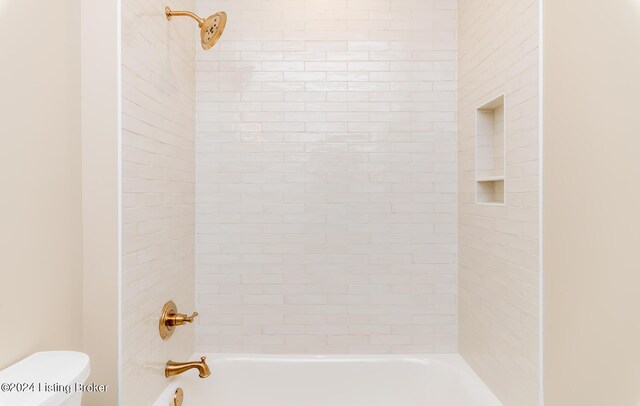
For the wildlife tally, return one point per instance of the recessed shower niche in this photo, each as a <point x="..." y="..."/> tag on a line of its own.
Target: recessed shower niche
<point x="490" y="152"/>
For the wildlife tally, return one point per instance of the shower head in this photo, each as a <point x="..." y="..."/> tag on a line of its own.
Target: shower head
<point x="211" y="28"/>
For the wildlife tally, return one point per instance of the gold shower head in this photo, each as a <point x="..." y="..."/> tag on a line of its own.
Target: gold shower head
<point x="211" y="28"/>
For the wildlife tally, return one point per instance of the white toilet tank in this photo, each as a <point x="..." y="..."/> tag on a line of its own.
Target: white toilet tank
<point x="45" y="379"/>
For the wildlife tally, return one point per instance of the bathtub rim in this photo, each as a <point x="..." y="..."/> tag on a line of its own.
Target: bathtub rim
<point x="452" y="360"/>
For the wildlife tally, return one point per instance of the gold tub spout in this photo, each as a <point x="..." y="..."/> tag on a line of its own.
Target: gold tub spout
<point x="176" y="368"/>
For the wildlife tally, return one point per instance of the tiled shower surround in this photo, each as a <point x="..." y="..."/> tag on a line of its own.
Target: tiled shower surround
<point x="316" y="173"/>
<point x="327" y="178"/>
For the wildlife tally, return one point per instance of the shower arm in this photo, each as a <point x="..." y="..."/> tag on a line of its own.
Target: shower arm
<point x="170" y="14"/>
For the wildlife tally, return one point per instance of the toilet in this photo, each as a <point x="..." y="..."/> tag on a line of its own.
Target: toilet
<point x="45" y="379"/>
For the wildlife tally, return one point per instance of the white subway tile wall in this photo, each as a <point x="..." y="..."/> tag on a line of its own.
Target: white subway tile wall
<point x="158" y="202"/>
<point x="499" y="252"/>
<point x="327" y="177"/>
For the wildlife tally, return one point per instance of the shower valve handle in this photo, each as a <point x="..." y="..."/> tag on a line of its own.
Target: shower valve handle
<point x="180" y="319"/>
<point x="170" y="319"/>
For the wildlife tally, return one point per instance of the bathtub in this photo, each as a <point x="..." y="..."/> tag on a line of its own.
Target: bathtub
<point x="260" y="380"/>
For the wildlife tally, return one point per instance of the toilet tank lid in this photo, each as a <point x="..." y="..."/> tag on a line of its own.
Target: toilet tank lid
<point x="54" y="368"/>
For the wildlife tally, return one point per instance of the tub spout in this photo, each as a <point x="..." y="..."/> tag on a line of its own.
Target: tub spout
<point x="176" y="368"/>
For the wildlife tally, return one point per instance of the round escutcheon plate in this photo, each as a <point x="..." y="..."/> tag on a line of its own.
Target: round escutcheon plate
<point x="166" y="329"/>
<point x="178" y="397"/>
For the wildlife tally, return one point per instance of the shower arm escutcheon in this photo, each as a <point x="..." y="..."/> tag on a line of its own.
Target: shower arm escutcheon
<point x="170" y="14"/>
<point x="170" y="318"/>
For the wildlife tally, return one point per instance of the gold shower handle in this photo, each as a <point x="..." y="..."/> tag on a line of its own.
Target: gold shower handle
<point x="170" y="14"/>
<point x="170" y="319"/>
<point x="180" y="319"/>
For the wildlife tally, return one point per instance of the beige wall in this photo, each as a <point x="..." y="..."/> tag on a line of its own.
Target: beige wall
<point x="43" y="246"/>
<point x="100" y="189"/>
<point x="40" y="174"/>
<point x="592" y="203"/>
<point x="498" y="257"/>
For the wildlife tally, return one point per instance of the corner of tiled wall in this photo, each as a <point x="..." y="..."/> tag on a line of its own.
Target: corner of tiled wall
<point x="498" y="260"/>
<point x="158" y="175"/>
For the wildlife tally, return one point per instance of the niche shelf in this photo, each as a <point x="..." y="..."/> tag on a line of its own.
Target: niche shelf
<point x="490" y="152"/>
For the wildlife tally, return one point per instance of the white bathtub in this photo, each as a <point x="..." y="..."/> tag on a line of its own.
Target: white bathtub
<point x="258" y="380"/>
